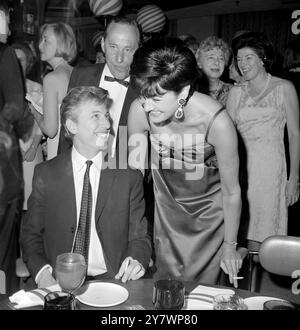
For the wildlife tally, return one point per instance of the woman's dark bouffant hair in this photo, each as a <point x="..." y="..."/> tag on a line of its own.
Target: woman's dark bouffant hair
<point x="163" y="63"/>
<point x="259" y="43"/>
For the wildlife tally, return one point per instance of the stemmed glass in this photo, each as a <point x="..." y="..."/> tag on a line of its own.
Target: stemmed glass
<point x="70" y="271"/>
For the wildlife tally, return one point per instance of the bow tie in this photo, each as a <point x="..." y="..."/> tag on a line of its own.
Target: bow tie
<point x="120" y="81"/>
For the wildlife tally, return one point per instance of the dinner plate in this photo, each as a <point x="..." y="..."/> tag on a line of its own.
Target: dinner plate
<point x="102" y="294"/>
<point x="257" y="303"/>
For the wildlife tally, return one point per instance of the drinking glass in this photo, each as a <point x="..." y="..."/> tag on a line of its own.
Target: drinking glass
<point x="70" y="271"/>
<point x="168" y="294"/>
<point x="228" y="302"/>
<point x="59" y="301"/>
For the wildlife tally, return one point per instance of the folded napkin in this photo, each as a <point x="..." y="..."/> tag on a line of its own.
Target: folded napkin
<point x="201" y="297"/>
<point x="23" y="299"/>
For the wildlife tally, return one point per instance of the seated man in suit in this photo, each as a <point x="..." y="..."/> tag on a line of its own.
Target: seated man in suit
<point x="116" y="243"/>
<point x="120" y="40"/>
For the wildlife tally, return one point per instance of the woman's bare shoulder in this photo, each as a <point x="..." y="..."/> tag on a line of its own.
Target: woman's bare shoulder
<point x="138" y="115"/>
<point x="288" y="86"/>
<point x="204" y="104"/>
<point x="58" y="79"/>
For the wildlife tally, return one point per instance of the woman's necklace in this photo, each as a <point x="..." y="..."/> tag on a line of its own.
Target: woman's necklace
<point x="256" y="97"/>
<point x="216" y="89"/>
<point x="215" y="92"/>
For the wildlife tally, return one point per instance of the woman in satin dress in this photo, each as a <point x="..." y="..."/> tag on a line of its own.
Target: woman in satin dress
<point x="194" y="163"/>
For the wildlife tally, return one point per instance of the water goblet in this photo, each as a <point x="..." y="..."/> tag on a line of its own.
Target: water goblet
<point x="70" y="271"/>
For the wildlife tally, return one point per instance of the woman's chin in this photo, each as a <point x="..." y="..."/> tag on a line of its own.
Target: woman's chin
<point x="157" y="118"/>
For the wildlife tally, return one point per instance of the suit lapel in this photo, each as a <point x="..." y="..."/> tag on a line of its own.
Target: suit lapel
<point x="67" y="190"/>
<point x="129" y="98"/>
<point x="106" y="181"/>
<point x="97" y="75"/>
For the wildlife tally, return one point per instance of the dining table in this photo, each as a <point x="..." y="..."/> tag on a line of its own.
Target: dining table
<point x="140" y="296"/>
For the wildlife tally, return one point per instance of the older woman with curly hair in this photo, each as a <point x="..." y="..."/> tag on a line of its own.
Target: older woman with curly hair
<point x="212" y="57"/>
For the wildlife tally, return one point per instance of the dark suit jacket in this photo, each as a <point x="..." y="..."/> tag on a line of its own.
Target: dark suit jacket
<point x="11" y="111"/>
<point x="50" y="223"/>
<point x="11" y="174"/>
<point x="90" y="75"/>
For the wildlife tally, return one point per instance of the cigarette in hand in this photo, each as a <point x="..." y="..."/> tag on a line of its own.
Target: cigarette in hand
<point x="238" y="277"/>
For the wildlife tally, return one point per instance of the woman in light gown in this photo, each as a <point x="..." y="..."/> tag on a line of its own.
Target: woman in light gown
<point x="260" y="109"/>
<point x="194" y="162"/>
<point x="57" y="48"/>
<point x="31" y="149"/>
<point x="212" y="57"/>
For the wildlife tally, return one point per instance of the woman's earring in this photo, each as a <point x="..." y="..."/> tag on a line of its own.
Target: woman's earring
<point x="179" y="112"/>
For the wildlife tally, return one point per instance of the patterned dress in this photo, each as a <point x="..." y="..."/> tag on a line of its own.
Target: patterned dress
<point x="261" y="125"/>
<point x="221" y="93"/>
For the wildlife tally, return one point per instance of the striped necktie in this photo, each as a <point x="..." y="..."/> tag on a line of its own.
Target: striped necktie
<point x="82" y="239"/>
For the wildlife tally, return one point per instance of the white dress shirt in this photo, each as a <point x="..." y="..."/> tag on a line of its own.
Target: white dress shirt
<point x="117" y="93"/>
<point x="96" y="264"/>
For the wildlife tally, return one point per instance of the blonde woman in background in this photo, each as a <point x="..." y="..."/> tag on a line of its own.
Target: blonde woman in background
<point x="57" y="48"/>
<point x="212" y="57"/>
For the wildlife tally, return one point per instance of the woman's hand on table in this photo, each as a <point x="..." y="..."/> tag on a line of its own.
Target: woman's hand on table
<point x="130" y="269"/>
<point x="231" y="262"/>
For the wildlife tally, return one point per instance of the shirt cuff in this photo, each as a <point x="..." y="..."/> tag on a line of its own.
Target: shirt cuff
<point x="41" y="270"/>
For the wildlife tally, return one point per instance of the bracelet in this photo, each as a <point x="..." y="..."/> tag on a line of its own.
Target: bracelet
<point x="231" y="243"/>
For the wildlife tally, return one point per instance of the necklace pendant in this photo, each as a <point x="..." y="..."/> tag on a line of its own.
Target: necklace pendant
<point x="257" y="97"/>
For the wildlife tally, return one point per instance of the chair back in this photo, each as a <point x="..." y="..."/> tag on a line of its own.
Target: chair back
<point x="280" y="254"/>
<point x="2" y="282"/>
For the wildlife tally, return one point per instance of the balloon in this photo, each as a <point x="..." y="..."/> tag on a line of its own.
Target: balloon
<point x="96" y="39"/>
<point x="151" y="18"/>
<point x="105" y="7"/>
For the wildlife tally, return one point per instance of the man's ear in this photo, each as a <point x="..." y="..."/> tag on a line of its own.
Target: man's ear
<point x="71" y="126"/>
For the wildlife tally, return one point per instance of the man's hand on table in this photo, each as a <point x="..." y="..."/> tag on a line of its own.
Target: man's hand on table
<point x="130" y="269"/>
